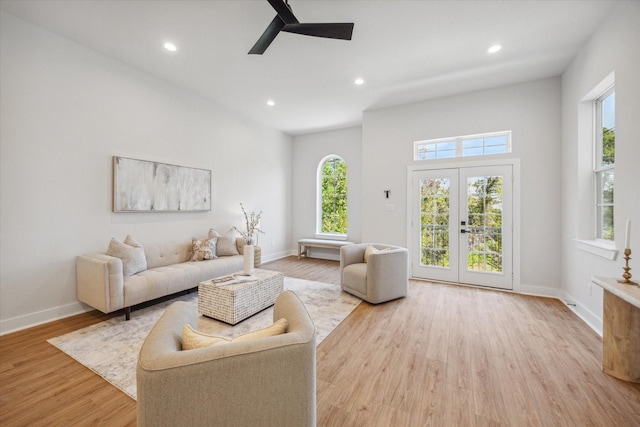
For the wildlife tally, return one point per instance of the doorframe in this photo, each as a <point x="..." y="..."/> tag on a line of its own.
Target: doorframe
<point x="457" y="164"/>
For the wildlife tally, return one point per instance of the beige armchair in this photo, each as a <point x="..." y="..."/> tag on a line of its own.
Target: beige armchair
<point x="264" y="382"/>
<point x="383" y="277"/>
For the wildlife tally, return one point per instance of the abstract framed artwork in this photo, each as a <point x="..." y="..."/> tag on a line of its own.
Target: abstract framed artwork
<point x="145" y="186"/>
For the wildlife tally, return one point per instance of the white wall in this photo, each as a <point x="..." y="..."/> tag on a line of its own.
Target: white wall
<point x="613" y="48"/>
<point x="530" y="110"/>
<point x="308" y="151"/>
<point x="65" y="111"/>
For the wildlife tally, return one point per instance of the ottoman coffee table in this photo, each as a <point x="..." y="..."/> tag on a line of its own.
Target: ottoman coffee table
<point x="233" y="298"/>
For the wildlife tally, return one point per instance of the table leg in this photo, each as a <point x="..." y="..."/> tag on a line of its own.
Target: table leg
<point x="621" y="339"/>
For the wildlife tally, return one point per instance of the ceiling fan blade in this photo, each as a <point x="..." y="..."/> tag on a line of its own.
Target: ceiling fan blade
<point x="342" y="31"/>
<point x="267" y="37"/>
<point x="284" y="11"/>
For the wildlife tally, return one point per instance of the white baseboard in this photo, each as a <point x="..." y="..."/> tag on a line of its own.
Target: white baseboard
<point x="593" y="321"/>
<point x="49" y="315"/>
<point x="40" y="317"/>
<point x="583" y="313"/>
<point x="45" y="316"/>
<point x="278" y="255"/>
<point x="540" y="291"/>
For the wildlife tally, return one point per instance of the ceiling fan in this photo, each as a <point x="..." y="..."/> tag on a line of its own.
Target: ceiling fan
<point x="286" y="21"/>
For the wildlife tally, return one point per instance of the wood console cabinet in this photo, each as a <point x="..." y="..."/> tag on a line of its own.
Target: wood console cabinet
<point x="621" y="329"/>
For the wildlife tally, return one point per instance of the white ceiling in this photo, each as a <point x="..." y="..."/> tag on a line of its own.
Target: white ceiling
<point x="405" y="50"/>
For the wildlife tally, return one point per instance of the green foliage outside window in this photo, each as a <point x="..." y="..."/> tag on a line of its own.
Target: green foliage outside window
<point x="607" y="184"/>
<point x="484" y="236"/>
<point x="334" y="196"/>
<point x="434" y="218"/>
<point x="608" y="146"/>
<point x="485" y="224"/>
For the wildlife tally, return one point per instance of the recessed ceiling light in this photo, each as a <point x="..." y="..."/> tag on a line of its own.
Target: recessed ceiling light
<point x="359" y="81"/>
<point x="495" y="48"/>
<point x="170" y="46"/>
<point x="271" y="103"/>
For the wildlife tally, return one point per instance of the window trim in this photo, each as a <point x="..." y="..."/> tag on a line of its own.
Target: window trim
<point x="585" y="239"/>
<point x="459" y="145"/>
<point x="319" y="233"/>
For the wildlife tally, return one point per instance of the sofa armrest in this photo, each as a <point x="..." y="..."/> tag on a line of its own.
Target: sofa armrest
<point x="100" y="282"/>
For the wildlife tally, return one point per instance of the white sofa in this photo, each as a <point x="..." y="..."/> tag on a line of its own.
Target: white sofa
<point x="102" y="284"/>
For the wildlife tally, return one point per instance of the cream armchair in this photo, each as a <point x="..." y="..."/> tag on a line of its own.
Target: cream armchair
<point x="383" y="277"/>
<point x="264" y="382"/>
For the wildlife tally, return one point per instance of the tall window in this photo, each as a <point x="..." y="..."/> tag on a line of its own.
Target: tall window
<point x="605" y="142"/>
<point x="332" y="196"/>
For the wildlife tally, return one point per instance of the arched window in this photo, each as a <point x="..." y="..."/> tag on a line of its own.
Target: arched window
<point x="332" y="197"/>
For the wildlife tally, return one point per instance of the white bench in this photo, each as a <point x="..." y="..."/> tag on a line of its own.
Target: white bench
<point x="305" y="244"/>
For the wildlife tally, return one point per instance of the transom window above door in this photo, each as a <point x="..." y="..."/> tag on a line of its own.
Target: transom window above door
<point x="463" y="146"/>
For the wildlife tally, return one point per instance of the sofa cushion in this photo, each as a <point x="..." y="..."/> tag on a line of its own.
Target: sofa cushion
<point x="131" y="253"/>
<point x="204" y="249"/>
<point x="154" y="283"/>
<point x="226" y="245"/>
<point x="166" y="254"/>
<point x="192" y="339"/>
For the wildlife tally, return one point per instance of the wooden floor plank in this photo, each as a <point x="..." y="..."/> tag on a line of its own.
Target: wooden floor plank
<point x="446" y="355"/>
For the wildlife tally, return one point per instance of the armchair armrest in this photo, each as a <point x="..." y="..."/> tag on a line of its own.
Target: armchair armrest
<point x="100" y="282"/>
<point x="352" y="254"/>
<point x="388" y="274"/>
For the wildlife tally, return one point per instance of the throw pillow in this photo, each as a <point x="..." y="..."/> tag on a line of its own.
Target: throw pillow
<point x="204" y="249"/>
<point x="131" y="253"/>
<point x="195" y="339"/>
<point x="372" y="250"/>
<point x="279" y="327"/>
<point x="226" y="245"/>
<point x="192" y="339"/>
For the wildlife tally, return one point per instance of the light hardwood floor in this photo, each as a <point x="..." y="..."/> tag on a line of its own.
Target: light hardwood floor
<point x="445" y="356"/>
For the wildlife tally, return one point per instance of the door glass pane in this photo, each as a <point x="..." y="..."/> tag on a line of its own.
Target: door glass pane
<point x="434" y="222"/>
<point x="484" y="231"/>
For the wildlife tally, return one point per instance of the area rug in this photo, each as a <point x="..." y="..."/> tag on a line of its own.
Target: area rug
<point x="111" y="348"/>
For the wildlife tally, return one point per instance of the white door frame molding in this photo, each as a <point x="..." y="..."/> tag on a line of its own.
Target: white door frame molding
<point x="449" y="164"/>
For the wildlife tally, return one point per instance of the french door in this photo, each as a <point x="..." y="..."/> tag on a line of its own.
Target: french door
<point x="462" y="225"/>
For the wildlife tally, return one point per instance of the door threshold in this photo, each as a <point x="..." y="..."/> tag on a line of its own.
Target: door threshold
<point x="444" y="282"/>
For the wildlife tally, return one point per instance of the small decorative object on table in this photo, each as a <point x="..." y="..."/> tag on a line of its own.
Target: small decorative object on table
<point x="626" y="276"/>
<point x="252" y="227"/>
